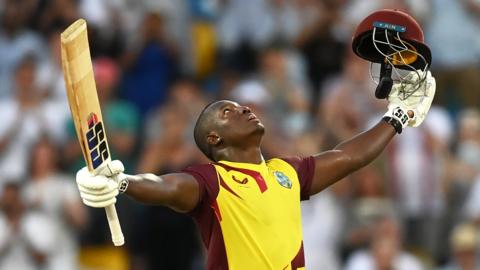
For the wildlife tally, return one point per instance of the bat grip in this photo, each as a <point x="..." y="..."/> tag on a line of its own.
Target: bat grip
<point x="114" y="224"/>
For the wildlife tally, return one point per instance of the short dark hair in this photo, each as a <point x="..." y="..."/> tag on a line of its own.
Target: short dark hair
<point x="200" y="131"/>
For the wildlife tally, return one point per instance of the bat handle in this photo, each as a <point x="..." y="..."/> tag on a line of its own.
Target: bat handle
<point x="114" y="224"/>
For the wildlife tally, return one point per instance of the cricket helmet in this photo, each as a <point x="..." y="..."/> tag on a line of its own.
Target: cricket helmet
<point x="393" y="36"/>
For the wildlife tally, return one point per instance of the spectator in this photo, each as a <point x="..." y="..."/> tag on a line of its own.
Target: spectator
<point x="27" y="116"/>
<point x="323" y="216"/>
<point x="121" y="117"/>
<point x="415" y="173"/>
<point x="171" y="148"/>
<point x="55" y="196"/>
<point x="186" y="94"/>
<point x="467" y="153"/>
<point x="245" y="21"/>
<point x="50" y="75"/>
<point x="385" y="251"/>
<point x="463" y="174"/>
<point x="16" y="42"/>
<point x="472" y="207"/>
<point x="464" y="246"/>
<point x="367" y="204"/>
<point x="245" y="27"/>
<point x="27" y="238"/>
<point x="320" y="45"/>
<point x="355" y="10"/>
<point x="456" y="53"/>
<point x="200" y="51"/>
<point x="52" y="14"/>
<point x="288" y="104"/>
<point x="322" y="219"/>
<point x="149" y="64"/>
<point x="348" y="100"/>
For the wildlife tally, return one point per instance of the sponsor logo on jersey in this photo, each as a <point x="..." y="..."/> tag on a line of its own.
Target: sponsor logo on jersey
<point x="243" y="181"/>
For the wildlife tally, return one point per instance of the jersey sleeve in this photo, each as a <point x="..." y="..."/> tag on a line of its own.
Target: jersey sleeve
<point x="207" y="179"/>
<point x="305" y="168"/>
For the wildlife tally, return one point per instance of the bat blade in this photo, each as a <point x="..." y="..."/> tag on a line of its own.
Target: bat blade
<point x="82" y="95"/>
<point x="85" y="107"/>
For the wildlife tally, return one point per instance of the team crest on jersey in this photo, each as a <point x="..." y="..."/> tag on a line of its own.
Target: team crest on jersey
<point x="282" y="179"/>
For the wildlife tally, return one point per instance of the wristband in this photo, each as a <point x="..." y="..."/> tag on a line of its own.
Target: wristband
<point x="397" y="117"/>
<point x="123" y="183"/>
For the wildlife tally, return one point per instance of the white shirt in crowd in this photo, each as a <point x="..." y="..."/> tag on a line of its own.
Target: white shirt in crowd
<point x="50" y="196"/>
<point x="472" y="203"/>
<point x="363" y="260"/>
<point x="12" y="51"/>
<point x="48" y="118"/>
<point x="322" y="221"/>
<point x="415" y="167"/>
<point x="36" y="231"/>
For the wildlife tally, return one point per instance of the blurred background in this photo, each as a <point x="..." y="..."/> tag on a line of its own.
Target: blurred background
<point x="158" y="63"/>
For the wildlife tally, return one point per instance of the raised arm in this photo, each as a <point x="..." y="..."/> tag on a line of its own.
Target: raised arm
<point x="350" y="155"/>
<point x="179" y="191"/>
<point x="353" y="154"/>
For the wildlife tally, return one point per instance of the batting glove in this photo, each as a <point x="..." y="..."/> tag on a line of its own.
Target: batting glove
<point x="100" y="190"/>
<point x="418" y="103"/>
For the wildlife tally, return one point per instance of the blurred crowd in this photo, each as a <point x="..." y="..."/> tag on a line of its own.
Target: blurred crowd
<point x="157" y="63"/>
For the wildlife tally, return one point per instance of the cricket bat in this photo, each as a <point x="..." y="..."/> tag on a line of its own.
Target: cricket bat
<point x="85" y="108"/>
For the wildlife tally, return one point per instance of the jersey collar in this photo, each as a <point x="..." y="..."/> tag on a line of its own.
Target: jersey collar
<point x="244" y="165"/>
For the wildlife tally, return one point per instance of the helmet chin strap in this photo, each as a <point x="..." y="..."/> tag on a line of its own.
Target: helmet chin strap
<point x="386" y="82"/>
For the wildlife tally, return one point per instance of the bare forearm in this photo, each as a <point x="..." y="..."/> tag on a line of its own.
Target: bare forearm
<point x="349" y="156"/>
<point x="365" y="147"/>
<point x="176" y="191"/>
<point x="148" y="188"/>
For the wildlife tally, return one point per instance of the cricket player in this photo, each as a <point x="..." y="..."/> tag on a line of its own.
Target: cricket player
<point x="247" y="208"/>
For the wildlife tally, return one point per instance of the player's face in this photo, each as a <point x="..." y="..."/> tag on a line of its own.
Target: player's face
<point x="236" y="122"/>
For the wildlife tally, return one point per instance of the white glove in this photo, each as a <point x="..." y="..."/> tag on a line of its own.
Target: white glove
<point x="419" y="102"/>
<point x="100" y="190"/>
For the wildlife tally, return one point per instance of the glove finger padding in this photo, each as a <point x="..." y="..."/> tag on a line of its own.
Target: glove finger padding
<point x="99" y="198"/>
<point x="112" y="168"/>
<point x="112" y="186"/>
<point x="102" y="204"/>
<point x="425" y="102"/>
<point x="88" y="180"/>
<point x="96" y="192"/>
<point x="420" y="101"/>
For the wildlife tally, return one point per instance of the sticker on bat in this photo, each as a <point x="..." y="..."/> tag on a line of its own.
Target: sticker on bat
<point x="96" y="141"/>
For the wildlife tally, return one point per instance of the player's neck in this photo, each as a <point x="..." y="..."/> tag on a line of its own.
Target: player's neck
<point x="243" y="155"/>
